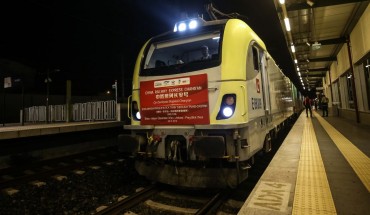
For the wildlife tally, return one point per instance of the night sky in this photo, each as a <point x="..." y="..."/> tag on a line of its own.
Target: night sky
<point x="94" y="43"/>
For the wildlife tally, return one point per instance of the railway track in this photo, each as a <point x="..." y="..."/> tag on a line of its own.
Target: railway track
<point x="156" y="199"/>
<point x="15" y="176"/>
<point x="130" y="201"/>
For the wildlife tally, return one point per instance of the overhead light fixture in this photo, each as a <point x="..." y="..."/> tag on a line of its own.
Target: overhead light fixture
<point x="316" y="46"/>
<point x="295" y="61"/>
<point x="367" y="63"/>
<point x="287" y="24"/>
<point x="297" y="68"/>
<point x="299" y="73"/>
<point x="307" y="60"/>
<point x="310" y="2"/>
<point x="281" y="1"/>
<point x="293" y="48"/>
<point x="308" y="44"/>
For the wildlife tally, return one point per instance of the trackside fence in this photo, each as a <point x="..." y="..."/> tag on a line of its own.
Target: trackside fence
<point x="89" y="111"/>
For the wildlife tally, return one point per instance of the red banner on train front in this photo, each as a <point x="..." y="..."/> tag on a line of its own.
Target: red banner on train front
<point x="180" y="100"/>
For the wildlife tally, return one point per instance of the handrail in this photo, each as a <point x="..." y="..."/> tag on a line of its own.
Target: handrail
<point x="129" y="107"/>
<point x="244" y="99"/>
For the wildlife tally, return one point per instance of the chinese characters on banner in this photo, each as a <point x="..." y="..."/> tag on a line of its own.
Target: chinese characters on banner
<point x="181" y="100"/>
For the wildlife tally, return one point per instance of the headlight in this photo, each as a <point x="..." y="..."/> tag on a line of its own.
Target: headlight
<point x="188" y="25"/>
<point x="227" y="112"/>
<point x="138" y="116"/>
<point x="182" y="26"/>
<point x="227" y="107"/>
<point x="193" y="24"/>
<point x="135" y="111"/>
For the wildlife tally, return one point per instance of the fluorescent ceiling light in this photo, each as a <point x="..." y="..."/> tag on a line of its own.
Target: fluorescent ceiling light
<point x="293" y="48"/>
<point x="287" y="24"/>
<point x="295" y="61"/>
<point x="299" y="73"/>
<point x="310" y="2"/>
<point x="281" y="1"/>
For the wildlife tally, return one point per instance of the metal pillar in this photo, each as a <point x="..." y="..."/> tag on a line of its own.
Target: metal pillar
<point x="353" y="79"/>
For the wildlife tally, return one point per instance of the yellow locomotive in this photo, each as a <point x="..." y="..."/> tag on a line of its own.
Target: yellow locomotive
<point x="206" y="97"/>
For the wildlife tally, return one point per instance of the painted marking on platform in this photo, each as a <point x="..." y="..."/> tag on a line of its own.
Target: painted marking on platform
<point x="359" y="162"/>
<point x="312" y="191"/>
<point x="271" y="196"/>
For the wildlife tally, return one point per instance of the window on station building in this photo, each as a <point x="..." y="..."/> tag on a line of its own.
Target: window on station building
<point x="349" y="77"/>
<point x="336" y="94"/>
<point x="366" y="68"/>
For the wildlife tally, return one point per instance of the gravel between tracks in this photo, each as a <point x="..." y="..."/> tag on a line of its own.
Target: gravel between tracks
<point x="76" y="194"/>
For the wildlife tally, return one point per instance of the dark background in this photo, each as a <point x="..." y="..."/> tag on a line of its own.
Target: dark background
<point x="94" y="43"/>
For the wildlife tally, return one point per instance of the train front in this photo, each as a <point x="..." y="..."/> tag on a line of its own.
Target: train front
<point x="183" y="130"/>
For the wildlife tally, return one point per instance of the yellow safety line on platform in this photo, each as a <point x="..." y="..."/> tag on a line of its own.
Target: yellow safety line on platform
<point x="312" y="191"/>
<point x="355" y="157"/>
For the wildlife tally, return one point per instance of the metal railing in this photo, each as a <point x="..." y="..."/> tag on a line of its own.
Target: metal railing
<point x="89" y="111"/>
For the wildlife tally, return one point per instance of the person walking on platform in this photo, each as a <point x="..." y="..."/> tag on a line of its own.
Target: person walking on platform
<point x="324" y="105"/>
<point x="308" y="104"/>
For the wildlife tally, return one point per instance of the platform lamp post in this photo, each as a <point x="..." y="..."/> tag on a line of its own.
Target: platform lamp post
<point x="20" y="81"/>
<point x="114" y="86"/>
<point x="48" y="81"/>
<point x="7" y="84"/>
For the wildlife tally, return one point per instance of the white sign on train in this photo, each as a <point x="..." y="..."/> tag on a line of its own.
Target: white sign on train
<point x="7" y="82"/>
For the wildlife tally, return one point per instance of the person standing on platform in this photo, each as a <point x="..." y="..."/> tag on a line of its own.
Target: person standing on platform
<point x="307" y="104"/>
<point x="324" y="105"/>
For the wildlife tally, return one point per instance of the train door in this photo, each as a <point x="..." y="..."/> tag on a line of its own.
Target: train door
<point x="264" y="82"/>
<point x="260" y="65"/>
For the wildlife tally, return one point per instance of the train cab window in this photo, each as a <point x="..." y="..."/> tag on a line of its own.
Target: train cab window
<point x="197" y="50"/>
<point x="255" y="58"/>
<point x="159" y="63"/>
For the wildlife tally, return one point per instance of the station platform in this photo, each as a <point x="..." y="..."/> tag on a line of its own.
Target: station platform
<point x="322" y="167"/>
<point x="30" y="130"/>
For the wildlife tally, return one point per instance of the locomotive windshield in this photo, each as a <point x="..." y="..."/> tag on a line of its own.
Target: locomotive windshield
<point x="182" y="55"/>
